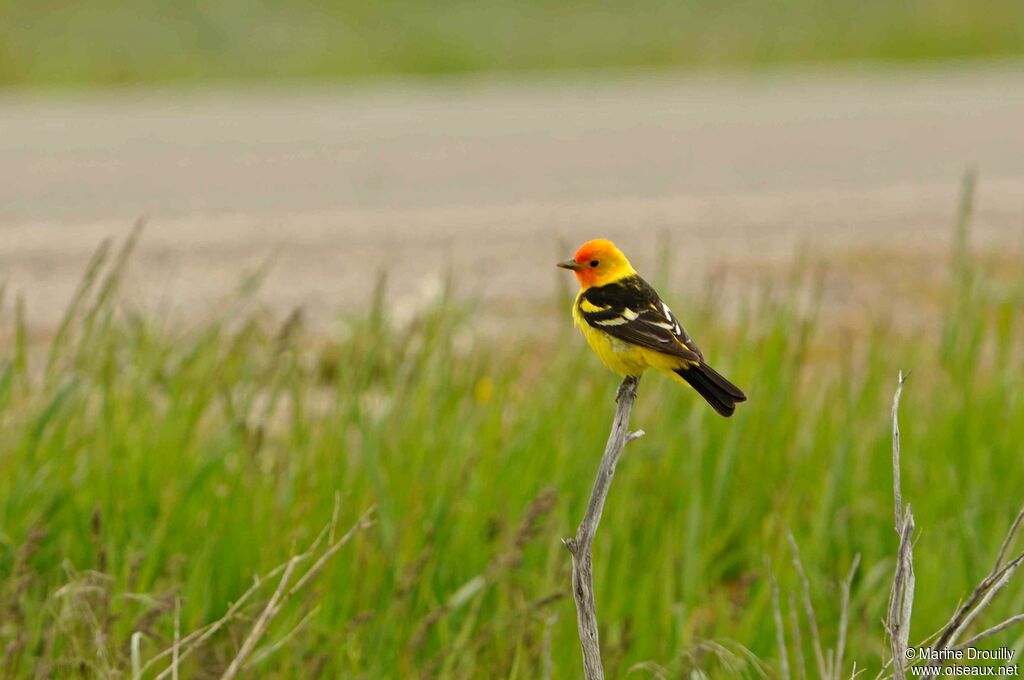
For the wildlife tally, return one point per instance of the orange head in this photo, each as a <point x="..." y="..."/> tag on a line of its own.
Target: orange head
<point x="598" y="262"/>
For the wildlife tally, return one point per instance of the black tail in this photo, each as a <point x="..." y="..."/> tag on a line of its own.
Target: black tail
<point x="710" y="384"/>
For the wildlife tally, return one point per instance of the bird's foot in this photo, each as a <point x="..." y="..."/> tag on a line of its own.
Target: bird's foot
<point x="628" y="387"/>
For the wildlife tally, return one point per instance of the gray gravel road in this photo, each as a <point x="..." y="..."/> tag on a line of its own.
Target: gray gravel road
<point x="495" y="178"/>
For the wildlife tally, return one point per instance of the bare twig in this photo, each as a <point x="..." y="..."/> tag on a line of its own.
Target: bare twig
<point x="136" y="655"/>
<point x="281" y="596"/>
<point x="334" y="518"/>
<point x="812" y="620"/>
<point x="175" y="660"/>
<point x="844" y="614"/>
<point x="547" y="660"/>
<point x="998" y="628"/>
<point x="261" y="654"/>
<point x="262" y="622"/>
<point x="798" y="644"/>
<point x="982" y="595"/>
<point x="829" y="662"/>
<point x="580" y="546"/>
<point x="901" y="597"/>
<point x="193" y="641"/>
<point x="896" y="492"/>
<point x="364" y="522"/>
<point x="780" y="629"/>
<point x="198" y="637"/>
<point x="1009" y="538"/>
<point x="978" y="600"/>
<point x="976" y="603"/>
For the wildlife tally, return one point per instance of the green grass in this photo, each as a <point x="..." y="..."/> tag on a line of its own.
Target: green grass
<point x="113" y="41"/>
<point x="143" y="461"/>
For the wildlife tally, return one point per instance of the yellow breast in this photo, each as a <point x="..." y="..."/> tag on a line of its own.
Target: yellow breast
<point x="620" y="357"/>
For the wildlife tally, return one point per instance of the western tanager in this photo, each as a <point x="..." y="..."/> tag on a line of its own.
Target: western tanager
<point x="631" y="329"/>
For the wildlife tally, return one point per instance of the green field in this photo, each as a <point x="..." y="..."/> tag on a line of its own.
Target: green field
<point x="144" y="464"/>
<point x="113" y="41"/>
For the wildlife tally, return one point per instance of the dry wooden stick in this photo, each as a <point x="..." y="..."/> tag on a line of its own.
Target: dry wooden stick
<point x="844" y="615"/>
<point x="261" y="654"/>
<point x="998" y="628"/>
<point x="281" y="596"/>
<point x="812" y="620"/>
<point x="896" y="491"/>
<point x="798" y="645"/>
<point x="901" y="598"/>
<point x="198" y="637"/>
<point x="191" y="642"/>
<point x="980" y="599"/>
<point x="780" y="628"/>
<point x="262" y="622"/>
<point x="175" y="660"/>
<point x="580" y="546"/>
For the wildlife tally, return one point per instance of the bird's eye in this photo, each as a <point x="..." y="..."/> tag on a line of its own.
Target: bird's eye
<point x="594" y="263"/>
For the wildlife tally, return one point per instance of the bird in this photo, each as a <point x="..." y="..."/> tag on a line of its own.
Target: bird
<point x="631" y="329"/>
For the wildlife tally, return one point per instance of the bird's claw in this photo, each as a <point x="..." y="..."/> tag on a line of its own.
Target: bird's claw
<point x="628" y="386"/>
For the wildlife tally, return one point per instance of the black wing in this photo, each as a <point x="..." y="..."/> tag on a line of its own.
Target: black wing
<point x="631" y="311"/>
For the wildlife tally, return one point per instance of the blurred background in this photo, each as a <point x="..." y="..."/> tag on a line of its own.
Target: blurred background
<point x="158" y="42"/>
<point x="379" y="133"/>
<point x="344" y="296"/>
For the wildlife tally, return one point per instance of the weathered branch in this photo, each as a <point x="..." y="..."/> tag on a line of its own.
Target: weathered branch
<point x="185" y="646"/>
<point x="901" y="598"/>
<point x="580" y="546"/>
<point x="812" y="620"/>
<point x="896" y="491"/>
<point x="780" y="629"/>
<point x="998" y="628"/>
<point x="844" y="615"/>
<point x="262" y="622"/>
<point x="281" y="596"/>
<point x="979" y="600"/>
<point x="798" y="645"/>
